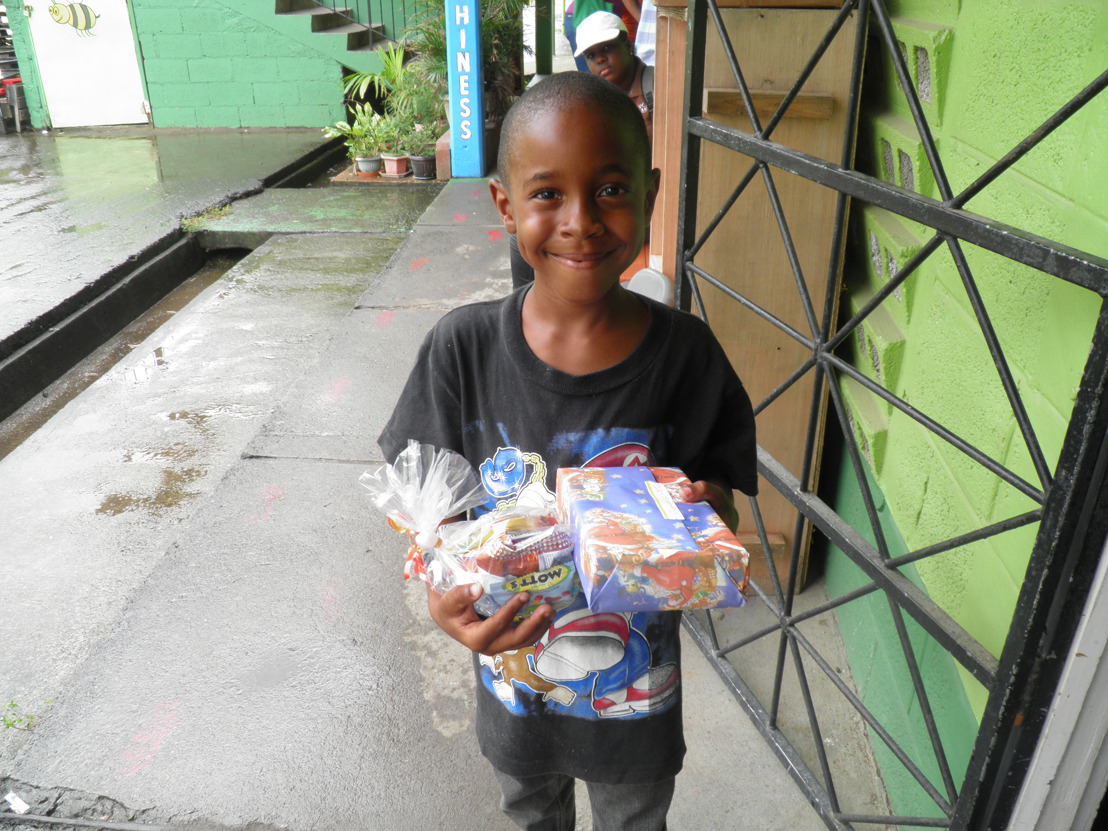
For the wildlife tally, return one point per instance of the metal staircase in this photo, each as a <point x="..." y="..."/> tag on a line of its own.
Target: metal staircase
<point x="365" y="25"/>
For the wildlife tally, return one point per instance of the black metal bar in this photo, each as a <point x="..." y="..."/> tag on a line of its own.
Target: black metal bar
<point x="900" y="65"/>
<point x="787" y="607"/>
<point x="871" y="819"/>
<point x="690" y="149"/>
<point x="694" y="269"/>
<point x="1063" y="560"/>
<point x="976" y="535"/>
<point x="794" y="619"/>
<point x="763" y="538"/>
<point x="697" y="296"/>
<point x="882" y="293"/>
<point x="1063" y="114"/>
<point x="944" y="629"/>
<point x="733" y="64"/>
<point x="824" y="44"/>
<point x="813" y="719"/>
<point x="784" y="386"/>
<point x="1000" y="362"/>
<point x="871" y="720"/>
<point x="851" y="444"/>
<point x="790" y="251"/>
<point x="924" y="702"/>
<point x="815" y="432"/>
<point x="776" y="740"/>
<point x="1024" y="487"/>
<point x="722" y="212"/>
<point x="1070" y="264"/>
<point x="765" y="133"/>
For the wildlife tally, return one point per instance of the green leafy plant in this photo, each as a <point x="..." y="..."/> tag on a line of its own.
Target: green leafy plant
<point x="421" y="141"/>
<point x="502" y="49"/>
<point x="12" y="717"/>
<point x="414" y="75"/>
<point x="400" y="127"/>
<point x="357" y="84"/>
<point x="366" y="134"/>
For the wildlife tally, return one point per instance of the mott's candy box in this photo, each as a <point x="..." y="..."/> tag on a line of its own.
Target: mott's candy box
<point x="639" y="547"/>
<point x="508" y="554"/>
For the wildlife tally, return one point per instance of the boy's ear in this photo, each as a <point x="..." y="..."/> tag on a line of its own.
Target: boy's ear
<point x="503" y="204"/>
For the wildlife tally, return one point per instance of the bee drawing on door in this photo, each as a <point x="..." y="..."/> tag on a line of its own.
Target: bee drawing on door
<point x="78" y="15"/>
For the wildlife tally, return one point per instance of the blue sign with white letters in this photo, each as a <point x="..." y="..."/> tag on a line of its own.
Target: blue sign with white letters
<point x="467" y="104"/>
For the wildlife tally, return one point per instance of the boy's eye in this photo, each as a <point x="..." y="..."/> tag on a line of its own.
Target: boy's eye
<point x="544" y="194"/>
<point x="613" y="190"/>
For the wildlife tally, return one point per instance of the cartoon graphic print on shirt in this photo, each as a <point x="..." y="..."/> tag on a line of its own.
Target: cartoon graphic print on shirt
<point x="587" y="665"/>
<point x="505" y="477"/>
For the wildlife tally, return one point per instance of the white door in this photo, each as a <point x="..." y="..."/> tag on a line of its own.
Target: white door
<point x="87" y="61"/>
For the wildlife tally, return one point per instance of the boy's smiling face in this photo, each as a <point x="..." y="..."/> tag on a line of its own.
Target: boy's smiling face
<point x="578" y="197"/>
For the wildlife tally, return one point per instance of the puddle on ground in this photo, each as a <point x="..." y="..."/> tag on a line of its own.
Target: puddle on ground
<point x="35" y="413"/>
<point x="178" y="452"/>
<point x="153" y="364"/>
<point x="172" y="491"/>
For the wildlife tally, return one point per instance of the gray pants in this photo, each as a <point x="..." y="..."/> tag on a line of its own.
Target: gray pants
<point x="546" y="803"/>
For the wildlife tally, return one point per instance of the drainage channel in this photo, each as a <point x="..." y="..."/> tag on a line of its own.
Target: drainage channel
<point x="52" y="368"/>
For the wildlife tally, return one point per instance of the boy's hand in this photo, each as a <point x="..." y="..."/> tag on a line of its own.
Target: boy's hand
<point x="720" y="498"/>
<point x="453" y="612"/>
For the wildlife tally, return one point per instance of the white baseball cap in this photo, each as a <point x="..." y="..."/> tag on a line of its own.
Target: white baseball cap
<point x="598" y="27"/>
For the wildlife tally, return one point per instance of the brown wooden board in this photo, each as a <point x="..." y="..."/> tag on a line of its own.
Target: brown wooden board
<point x="747" y="251"/>
<point x="766" y="102"/>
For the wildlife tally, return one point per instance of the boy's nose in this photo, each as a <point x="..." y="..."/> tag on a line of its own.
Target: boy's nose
<point x="581" y="217"/>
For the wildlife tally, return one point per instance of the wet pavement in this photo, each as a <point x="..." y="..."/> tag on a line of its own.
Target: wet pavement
<point x="204" y="612"/>
<point x="78" y="204"/>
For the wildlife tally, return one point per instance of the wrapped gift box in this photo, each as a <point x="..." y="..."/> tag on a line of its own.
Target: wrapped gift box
<point x="639" y="547"/>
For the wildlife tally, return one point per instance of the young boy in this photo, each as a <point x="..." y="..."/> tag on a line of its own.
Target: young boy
<point x="608" y="50"/>
<point x="575" y="371"/>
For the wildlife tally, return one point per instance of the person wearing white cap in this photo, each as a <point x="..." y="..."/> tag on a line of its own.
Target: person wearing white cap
<point x="577" y="10"/>
<point x="603" y="42"/>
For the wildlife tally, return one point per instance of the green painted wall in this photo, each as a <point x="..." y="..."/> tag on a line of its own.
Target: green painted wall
<point x="208" y="65"/>
<point x="224" y="63"/>
<point x="28" y="69"/>
<point x="881" y="675"/>
<point x="988" y="72"/>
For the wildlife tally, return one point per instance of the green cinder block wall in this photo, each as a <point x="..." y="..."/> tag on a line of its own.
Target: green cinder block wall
<point x="28" y="69"/>
<point x="209" y="64"/>
<point x="988" y="72"/>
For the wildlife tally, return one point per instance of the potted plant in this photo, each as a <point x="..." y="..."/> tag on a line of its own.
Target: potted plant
<point x="421" y="151"/>
<point x="425" y="106"/>
<point x="394" y="152"/>
<point x="363" y="136"/>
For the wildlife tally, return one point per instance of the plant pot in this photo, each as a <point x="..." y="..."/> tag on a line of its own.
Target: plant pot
<point x="423" y="167"/>
<point x="368" y="165"/>
<point x="395" y="165"/>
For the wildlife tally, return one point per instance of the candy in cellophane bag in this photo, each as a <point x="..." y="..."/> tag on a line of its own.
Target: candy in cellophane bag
<point x="506" y="552"/>
<point x="510" y="552"/>
<point x="422" y="488"/>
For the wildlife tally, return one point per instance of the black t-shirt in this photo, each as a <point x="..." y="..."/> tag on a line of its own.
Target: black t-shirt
<point x="599" y="697"/>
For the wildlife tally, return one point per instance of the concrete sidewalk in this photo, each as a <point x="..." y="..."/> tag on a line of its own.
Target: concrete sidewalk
<point x="209" y="618"/>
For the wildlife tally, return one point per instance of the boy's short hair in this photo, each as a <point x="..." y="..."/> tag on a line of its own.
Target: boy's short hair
<point x="563" y="89"/>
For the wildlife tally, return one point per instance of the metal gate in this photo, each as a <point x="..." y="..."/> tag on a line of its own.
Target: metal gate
<point x="1071" y="507"/>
